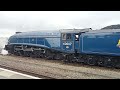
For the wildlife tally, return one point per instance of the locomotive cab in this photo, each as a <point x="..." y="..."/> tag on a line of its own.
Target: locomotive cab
<point x="70" y="41"/>
<point x="67" y="42"/>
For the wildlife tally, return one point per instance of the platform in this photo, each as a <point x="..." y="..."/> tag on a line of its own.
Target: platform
<point x="8" y="74"/>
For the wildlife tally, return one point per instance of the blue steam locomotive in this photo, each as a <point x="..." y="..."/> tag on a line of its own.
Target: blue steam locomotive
<point x="93" y="47"/>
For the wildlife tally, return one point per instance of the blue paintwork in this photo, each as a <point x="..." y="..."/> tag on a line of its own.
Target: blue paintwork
<point x="47" y="39"/>
<point x="104" y="43"/>
<point x="92" y="42"/>
<point x="40" y="41"/>
<point x="68" y="45"/>
<point x="26" y="40"/>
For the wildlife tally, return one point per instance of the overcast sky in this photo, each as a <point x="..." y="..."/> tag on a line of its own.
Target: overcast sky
<point x="12" y="21"/>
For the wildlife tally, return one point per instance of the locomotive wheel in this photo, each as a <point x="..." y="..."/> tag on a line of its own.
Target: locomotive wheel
<point x="42" y="55"/>
<point x="37" y="54"/>
<point x="85" y="60"/>
<point x="49" y="55"/>
<point x="116" y="63"/>
<point x="16" y="53"/>
<point x="107" y="62"/>
<point x="117" y="66"/>
<point x="21" y="53"/>
<point x="26" y="54"/>
<point x="92" y="61"/>
<point x="100" y="61"/>
<point x="58" y="56"/>
<point x="32" y="55"/>
<point x="69" y="58"/>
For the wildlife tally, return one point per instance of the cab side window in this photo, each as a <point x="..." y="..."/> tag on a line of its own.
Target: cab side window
<point x="63" y="36"/>
<point x="68" y="36"/>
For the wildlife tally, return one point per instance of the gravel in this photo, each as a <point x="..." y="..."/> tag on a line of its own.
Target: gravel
<point x="57" y="69"/>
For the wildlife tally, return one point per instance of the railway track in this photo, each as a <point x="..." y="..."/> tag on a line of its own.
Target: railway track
<point x="45" y="77"/>
<point x="70" y="64"/>
<point x="25" y="72"/>
<point x="56" y="69"/>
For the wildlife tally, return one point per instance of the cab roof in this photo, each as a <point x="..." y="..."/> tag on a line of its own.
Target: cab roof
<point x="75" y="30"/>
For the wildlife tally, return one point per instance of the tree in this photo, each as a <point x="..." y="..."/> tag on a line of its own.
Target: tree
<point x="112" y="27"/>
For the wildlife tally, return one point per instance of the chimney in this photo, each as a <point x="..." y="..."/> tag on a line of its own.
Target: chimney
<point x="18" y="32"/>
